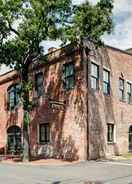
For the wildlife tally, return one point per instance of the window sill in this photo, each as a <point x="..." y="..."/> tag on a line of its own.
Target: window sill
<point x="111" y="143"/>
<point x="107" y="94"/>
<point x="95" y="90"/>
<point x="44" y="143"/>
<point x="122" y="101"/>
<point x="129" y="103"/>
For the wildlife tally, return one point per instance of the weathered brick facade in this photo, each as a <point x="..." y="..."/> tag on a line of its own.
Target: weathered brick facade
<point x="78" y="117"/>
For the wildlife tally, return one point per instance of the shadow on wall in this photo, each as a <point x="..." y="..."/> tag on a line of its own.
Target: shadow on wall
<point x="64" y="147"/>
<point x="101" y="110"/>
<point x="109" y="104"/>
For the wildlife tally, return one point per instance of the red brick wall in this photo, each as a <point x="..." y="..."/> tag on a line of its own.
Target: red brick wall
<point x="68" y="126"/>
<point x="109" y="109"/>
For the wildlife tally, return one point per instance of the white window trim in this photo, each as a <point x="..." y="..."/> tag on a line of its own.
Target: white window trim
<point x="114" y="134"/>
<point x="94" y="62"/>
<point x="38" y="134"/>
<point x="106" y="68"/>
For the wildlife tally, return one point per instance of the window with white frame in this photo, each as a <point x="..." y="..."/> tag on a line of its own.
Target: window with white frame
<point x="110" y="133"/>
<point x="106" y="82"/>
<point x="121" y="89"/>
<point x="129" y="92"/>
<point x="94" y="76"/>
<point x="44" y="133"/>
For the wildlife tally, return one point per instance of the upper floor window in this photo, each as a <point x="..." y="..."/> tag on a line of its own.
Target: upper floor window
<point x="129" y="92"/>
<point x="94" y="76"/>
<point x="121" y="89"/>
<point x="69" y="76"/>
<point x="39" y="84"/>
<point x="13" y="96"/>
<point x="106" y="82"/>
<point x="44" y="133"/>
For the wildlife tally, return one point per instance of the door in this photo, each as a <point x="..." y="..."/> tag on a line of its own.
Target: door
<point x="14" y="140"/>
<point x="130" y="138"/>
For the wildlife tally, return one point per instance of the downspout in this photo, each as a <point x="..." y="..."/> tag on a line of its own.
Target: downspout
<point x="85" y="58"/>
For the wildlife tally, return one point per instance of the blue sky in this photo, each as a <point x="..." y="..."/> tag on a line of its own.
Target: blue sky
<point x="122" y="18"/>
<point x="121" y="37"/>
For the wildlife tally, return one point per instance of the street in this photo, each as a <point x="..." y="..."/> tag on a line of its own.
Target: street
<point x="101" y="172"/>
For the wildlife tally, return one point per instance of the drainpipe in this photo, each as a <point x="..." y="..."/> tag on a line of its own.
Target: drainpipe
<point x="85" y="57"/>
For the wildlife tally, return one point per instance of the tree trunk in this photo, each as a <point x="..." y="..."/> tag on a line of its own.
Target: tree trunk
<point x="26" y="147"/>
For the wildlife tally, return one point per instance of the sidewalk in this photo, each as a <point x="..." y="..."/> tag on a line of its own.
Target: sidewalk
<point x="127" y="156"/>
<point x="52" y="162"/>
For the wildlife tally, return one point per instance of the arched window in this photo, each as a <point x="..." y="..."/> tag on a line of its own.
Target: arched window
<point x="13" y="96"/>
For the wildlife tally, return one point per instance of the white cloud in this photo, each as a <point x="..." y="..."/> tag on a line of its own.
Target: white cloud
<point x="121" y="36"/>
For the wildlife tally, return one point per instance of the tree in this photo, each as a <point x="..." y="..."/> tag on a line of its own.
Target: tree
<point x="90" y="22"/>
<point x="25" y="23"/>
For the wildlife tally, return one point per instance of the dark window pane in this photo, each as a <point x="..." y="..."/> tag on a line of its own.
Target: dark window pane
<point x="106" y="82"/>
<point x="13" y="96"/>
<point x="44" y="133"/>
<point x="121" y="89"/>
<point x="110" y="133"/>
<point x="39" y="84"/>
<point x="69" y="76"/>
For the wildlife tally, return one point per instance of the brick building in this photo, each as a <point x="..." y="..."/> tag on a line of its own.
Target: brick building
<point x="82" y="104"/>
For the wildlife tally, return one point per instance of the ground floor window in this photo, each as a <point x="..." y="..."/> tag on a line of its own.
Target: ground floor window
<point x="130" y="138"/>
<point x="110" y="133"/>
<point x="44" y="133"/>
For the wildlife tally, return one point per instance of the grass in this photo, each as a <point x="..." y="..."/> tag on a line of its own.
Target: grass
<point x="127" y="155"/>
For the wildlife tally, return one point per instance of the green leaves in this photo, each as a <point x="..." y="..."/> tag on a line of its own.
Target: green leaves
<point x="32" y="21"/>
<point x="91" y="21"/>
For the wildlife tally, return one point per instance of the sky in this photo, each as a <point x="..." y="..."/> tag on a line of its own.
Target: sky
<point x="121" y="37"/>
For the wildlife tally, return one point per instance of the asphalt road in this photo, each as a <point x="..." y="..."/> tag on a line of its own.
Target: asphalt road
<point x="80" y="173"/>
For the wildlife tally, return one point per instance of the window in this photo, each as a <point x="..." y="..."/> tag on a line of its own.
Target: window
<point x="129" y="92"/>
<point x="110" y="133"/>
<point x="121" y="89"/>
<point x="44" y="133"/>
<point x="39" y="84"/>
<point x="13" y="96"/>
<point x="94" y="76"/>
<point x="69" y="76"/>
<point x="106" y="82"/>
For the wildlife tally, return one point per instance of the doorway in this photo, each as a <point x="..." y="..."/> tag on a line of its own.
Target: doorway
<point x="13" y="140"/>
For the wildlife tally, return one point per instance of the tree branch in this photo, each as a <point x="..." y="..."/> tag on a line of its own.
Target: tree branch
<point x="12" y="29"/>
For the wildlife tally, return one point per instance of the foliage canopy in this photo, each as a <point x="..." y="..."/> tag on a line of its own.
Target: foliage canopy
<point x="25" y="23"/>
